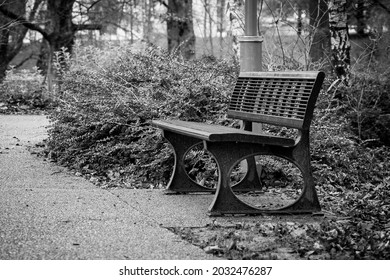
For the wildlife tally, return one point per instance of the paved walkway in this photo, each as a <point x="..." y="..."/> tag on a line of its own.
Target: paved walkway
<point x="48" y="213"/>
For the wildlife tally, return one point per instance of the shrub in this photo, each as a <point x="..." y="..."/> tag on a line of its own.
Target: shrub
<point x="353" y="177"/>
<point x="108" y="97"/>
<point x="366" y="103"/>
<point x="23" y="90"/>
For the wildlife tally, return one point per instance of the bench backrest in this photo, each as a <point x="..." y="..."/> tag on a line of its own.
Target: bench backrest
<point x="278" y="98"/>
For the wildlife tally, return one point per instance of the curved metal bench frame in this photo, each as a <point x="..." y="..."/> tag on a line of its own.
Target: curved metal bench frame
<point x="278" y="98"/>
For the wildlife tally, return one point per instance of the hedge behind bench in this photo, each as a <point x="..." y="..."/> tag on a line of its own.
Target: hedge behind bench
<point x="107" y="98"/>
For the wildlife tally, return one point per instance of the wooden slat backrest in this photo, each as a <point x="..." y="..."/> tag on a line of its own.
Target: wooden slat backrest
<point x="278" y="98"/>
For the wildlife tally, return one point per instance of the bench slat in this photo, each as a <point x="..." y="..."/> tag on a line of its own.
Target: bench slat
<point x="284" y="74"/>
<point x="217" y="133"/>
<point x="279" y="98"/>
<point x="292" y="122"/>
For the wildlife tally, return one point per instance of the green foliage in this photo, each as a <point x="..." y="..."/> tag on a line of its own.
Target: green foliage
<point x="23" y="91"/>
<point x="108" y="97"/>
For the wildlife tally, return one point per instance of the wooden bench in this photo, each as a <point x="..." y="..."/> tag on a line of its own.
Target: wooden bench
<point x="284" y="99"/>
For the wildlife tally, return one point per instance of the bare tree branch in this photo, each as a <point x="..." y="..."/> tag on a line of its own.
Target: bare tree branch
<point x="34" y="9"/>
<point x="19" y="43"/>
<point x="85" y="5"/>
<point x="93" y="4"/>
<point x="91" y="26"/>
<point x="380" y="4"/>
<point x="163" y="3"/>
<point x="25" y="22"/>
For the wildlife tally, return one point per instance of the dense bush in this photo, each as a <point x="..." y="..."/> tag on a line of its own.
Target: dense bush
<point x="352" y="174"/>
<point x="102" y="124"/>
<point x="367" y="106"/>
<point x="23" y="91"/>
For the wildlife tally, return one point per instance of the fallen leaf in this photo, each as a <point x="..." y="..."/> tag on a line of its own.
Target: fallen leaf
<point x="213" y="249"/>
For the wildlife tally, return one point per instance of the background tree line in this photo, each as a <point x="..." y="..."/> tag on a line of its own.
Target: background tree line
<point x="304" y="32"/>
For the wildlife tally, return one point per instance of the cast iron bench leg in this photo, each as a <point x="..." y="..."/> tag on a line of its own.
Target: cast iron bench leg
<point x="226" y="202"/>
<point x="300" y="156"/>
<point x="251" y="180"/>
<point x="180" y="182"/>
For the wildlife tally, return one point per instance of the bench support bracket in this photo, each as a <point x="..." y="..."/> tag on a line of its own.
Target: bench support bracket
<point x="180" y="182"/>
<point x="226" y="202"/>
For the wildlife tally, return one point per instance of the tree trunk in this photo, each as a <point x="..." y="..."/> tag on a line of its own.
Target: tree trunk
<point x="299" y="19"/>
<point x="205" y="4"/>
<point x="340" y="44"/>
<point x="59" y="31"/>
<point x="3" y="69"/>
<point x="208" y="22"/>
<point x="147" y="20"/>
<point x="61" y="34"/>
<point x="319" y="22"/>
<point x="361" y="18"/>
<point x="235" y="11"/>
<point x="43" y="57"/>
<point x="11" y="35"/>
<point x="210" y="29"/>
<point x="180" y="28"/>
<point x="150" y="22"/>
<point x="220" y="28"/>
<point x="61" y="27"/>
<point x="131" y="22"/>
<point x="4" y="61"/>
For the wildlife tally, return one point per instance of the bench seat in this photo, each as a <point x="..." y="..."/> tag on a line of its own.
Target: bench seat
<point x="217" y="133"/>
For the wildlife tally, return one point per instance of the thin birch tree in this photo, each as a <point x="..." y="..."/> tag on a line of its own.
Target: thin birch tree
<point x="340" y="45"/>
<point x="220" y="25"/>
<point x="235" y="12"/>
